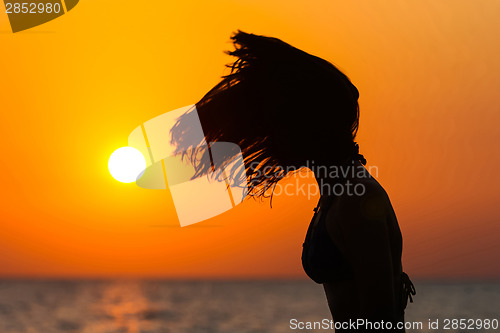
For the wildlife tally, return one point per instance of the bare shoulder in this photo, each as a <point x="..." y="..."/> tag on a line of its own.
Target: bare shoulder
<point x="366" y="208"/>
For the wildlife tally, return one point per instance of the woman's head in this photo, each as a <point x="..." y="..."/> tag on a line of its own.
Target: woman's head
<point x="282" y="106"/>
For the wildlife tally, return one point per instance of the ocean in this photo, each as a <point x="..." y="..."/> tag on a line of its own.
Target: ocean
<point x="275" y="306"/>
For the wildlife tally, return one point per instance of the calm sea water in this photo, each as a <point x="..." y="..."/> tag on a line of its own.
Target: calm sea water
<point x="211" y="306"/>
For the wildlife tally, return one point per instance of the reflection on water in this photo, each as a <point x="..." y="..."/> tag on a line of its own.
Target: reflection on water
<point x="124" y="304"/>
<point x="156" y="306"/>
<point x="206" y="306"/>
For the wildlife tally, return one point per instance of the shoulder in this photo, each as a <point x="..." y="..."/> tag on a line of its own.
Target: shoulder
<point x="366" y="208"/>
<point x="368" y="198"/>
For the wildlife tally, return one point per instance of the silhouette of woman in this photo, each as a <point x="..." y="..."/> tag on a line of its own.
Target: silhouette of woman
<point x="286" y="108"/>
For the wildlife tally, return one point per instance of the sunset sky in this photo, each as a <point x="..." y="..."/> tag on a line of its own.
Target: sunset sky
<point x="74" y="88"/>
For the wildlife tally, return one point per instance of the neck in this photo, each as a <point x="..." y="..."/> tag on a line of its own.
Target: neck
<point x="339" y="175"/>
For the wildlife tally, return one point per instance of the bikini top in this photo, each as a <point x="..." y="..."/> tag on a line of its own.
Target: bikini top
<point x="321" y="259"/>
<point x="323" y="262"/>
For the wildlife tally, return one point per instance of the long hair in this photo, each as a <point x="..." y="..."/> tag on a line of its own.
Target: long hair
<point x="282" y="106"/>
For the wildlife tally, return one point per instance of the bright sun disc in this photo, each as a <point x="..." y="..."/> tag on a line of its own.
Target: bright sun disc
<point x="126" y="164"/>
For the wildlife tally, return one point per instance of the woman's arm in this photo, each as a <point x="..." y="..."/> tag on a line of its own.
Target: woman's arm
<point x="358" y="226"/>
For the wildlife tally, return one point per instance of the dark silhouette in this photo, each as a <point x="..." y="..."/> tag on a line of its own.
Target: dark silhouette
<point x="286" y="108"/>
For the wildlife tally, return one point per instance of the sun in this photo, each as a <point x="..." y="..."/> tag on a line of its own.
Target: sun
<point x="126" y="164"/>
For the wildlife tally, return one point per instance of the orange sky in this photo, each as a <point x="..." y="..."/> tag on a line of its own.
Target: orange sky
<point x="74" y="88"/>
